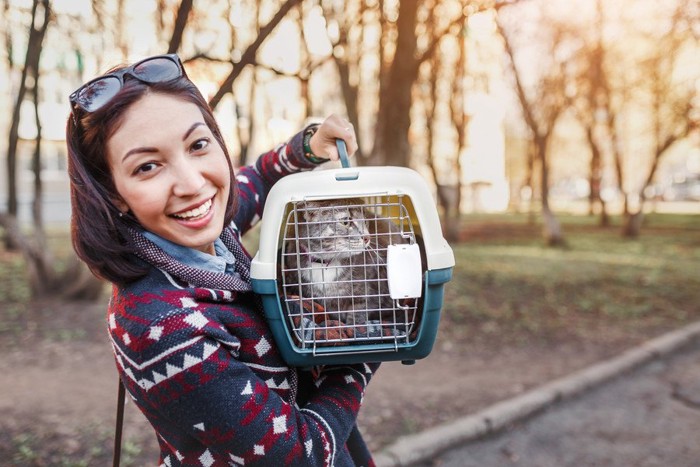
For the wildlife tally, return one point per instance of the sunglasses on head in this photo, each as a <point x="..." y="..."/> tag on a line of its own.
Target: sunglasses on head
<point x="96" y="93"/>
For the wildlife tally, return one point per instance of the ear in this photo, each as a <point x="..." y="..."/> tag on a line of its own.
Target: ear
<point x="121" y="205"/>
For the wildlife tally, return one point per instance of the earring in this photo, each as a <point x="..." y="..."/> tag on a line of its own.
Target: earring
<point x="121" y="214"/>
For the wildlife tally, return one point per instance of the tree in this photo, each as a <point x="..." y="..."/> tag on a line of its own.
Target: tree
<point x="443" y="84"/>
<point x="248" y="56"/>
<point x="590" y="103"/>
<point x="401" y="49"/>
<point x="46" y="278"/>
<point x="391" y="143"/>
<point x="541" y="109"/>
<point x="40" y="16"/>
<point x="672" y="101"/>
<point x="347" y="55"/>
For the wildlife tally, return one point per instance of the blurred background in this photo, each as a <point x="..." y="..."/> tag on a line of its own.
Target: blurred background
<point x="561" y="138"/>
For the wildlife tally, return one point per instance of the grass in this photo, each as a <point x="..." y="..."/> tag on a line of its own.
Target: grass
<point x="89" y="446"/>
<point x="507" y="285"/>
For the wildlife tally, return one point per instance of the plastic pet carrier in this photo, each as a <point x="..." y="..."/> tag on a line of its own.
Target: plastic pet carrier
<point x="351" y="265"/>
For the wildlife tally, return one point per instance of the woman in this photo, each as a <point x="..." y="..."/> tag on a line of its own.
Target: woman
<point x="158" y="212"/>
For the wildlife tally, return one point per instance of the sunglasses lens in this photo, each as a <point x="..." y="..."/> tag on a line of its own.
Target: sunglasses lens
<point x="158" y="69"/>
<point x="96" y="94"/>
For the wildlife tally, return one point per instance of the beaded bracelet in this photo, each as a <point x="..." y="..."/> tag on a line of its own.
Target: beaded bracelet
<point x="308" y="153"/>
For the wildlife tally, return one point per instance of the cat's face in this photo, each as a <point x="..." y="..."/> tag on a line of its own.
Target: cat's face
<point x="335" y="231"/>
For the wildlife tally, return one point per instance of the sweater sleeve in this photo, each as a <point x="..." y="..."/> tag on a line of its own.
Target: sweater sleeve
<point x="254" y="181"/>
<point x="206" y="392"/>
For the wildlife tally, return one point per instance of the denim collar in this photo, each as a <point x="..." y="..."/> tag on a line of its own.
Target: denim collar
<point x="223" y="262"/>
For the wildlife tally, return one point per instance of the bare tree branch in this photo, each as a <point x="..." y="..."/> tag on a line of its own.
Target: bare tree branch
<point x="248" y="56"/>
<point x="183" y="13"/>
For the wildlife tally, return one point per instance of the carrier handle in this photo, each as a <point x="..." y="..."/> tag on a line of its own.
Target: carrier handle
<point x="343" y="152"/>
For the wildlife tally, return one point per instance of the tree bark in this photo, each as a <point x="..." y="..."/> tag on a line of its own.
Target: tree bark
<point x="36" y="168"/>
<point x="551" y="227"/>
<point x="31" y="65"/>
<point x="391" y="146"/>
<point x="459" y="122"/>
<point x="541" y="134"/>
<point x="75" y="283"/>
<point x="595" y="179"/>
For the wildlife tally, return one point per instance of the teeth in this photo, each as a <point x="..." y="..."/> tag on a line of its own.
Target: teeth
<point x="197" y="212"/>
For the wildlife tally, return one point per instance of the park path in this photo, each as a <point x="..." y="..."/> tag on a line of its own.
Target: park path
<point x="647" y="418"/>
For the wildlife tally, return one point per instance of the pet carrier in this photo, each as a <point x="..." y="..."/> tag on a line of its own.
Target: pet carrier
<point x="351" y="265"/>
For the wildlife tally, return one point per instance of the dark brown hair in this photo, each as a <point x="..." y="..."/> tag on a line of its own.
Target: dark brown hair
<point x="98" y="231"/>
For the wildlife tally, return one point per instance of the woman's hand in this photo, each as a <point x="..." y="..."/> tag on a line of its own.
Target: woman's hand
<point x="322" y="143"/>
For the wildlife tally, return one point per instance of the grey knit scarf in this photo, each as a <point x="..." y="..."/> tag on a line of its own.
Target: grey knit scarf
<point x="151" y="253"/>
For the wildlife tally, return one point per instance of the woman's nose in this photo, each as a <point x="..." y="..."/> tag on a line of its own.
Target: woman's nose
<point x="189" y="179"/>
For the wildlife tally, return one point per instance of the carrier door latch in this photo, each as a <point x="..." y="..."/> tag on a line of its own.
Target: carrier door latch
<point x="404" y="271"/>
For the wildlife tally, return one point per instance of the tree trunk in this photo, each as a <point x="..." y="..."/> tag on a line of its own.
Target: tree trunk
<point x="31" y="64"/>
<point x="460" y="122"/>
<point x="350" y="96"/>
<point x="76" y="282"/>
<point x="541" y="133"/>
<point x="633" y="224"/>
<point x="528" y="182"/>
<point x="38" y="262"/>
<point x="37" y="204"/>
<point x="245" y="124"/>
<point x="551" y="228"/>
<point x="14" y="140"/>
<point x="449" y="196"/>
<point x="44" y="281"/>
<point x="595" y="179"/>
<point x="391" y="145"/>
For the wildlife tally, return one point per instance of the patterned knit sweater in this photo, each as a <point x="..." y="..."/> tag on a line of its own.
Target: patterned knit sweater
<point x="198" y="358"/>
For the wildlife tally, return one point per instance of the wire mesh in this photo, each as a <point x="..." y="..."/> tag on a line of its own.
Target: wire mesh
<point x="333" y="269"/>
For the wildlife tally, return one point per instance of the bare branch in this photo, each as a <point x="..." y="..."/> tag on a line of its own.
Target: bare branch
<point x="248" y="56"/>
<point x="183" y="13"/>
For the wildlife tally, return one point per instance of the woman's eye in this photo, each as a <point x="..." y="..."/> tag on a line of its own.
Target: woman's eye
<point x="145" y="168"/>
<point x="200" y="144"/>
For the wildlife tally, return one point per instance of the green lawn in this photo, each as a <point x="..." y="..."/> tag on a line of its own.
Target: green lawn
<point x="507" y="285"/>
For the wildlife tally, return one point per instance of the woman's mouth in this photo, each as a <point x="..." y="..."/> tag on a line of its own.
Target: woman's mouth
<point x="196" y="213"/>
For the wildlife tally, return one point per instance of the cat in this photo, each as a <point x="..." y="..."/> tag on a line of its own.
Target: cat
<point x="335" y="254"/>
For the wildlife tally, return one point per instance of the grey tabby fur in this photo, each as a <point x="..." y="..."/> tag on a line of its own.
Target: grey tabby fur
<point x="337" y="257"/>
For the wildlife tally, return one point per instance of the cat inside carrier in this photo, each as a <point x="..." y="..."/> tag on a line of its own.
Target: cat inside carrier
<point x="351" y="265"/>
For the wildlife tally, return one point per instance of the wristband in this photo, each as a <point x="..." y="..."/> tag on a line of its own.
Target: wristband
<point x="308" y="153"/>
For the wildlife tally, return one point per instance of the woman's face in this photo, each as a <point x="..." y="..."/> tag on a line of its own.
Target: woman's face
<point x="170" y="171"/>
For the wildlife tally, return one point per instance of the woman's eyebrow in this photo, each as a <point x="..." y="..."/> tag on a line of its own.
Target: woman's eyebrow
<point x="151" y="149"/>
<point x="137" y="151"/>
<point x="192" y="128"/>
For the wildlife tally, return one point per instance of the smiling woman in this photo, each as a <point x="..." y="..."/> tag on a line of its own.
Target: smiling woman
<point x="158" y="212"/>
<point x="175" y="181"/>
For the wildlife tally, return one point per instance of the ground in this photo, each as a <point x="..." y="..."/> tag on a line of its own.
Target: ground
<point x="516" y="315"/>
<point x="59" y="386"/>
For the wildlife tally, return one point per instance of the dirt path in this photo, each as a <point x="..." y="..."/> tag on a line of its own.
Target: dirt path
<point x="58" y="389"/>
